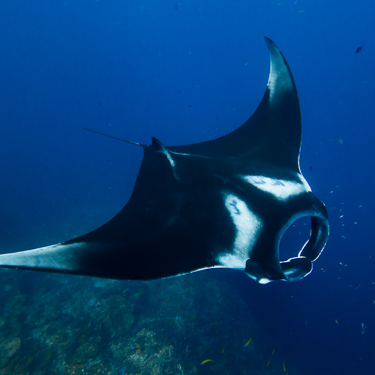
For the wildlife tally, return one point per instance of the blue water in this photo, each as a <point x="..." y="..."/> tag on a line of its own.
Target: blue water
<point x="186" y="72"/>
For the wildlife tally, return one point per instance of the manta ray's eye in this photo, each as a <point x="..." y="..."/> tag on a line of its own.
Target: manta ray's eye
<point x="294" y="238"/>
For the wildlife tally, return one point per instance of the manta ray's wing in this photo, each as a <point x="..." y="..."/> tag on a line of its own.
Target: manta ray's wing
<point x="273" y="133"/>
<point x="225" y="202"/>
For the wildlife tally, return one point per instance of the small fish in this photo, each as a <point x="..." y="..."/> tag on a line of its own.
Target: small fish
<point x="359" y="49"/>
<point x="284" y="367"/>
<point x="336" y="321"/>
<point x="363" y="331"/>
<point x="273" y="351"/>
<point x="268" y="363"/>
<point x="205" y="361"/>
<point x="187" y="354"/>
<point x="247" y="343"/>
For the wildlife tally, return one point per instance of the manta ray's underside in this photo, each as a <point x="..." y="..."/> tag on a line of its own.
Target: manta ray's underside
<point x="221" y="203"/>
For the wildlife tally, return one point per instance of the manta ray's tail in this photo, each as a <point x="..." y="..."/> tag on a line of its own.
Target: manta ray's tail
<point x="119" y="139"/>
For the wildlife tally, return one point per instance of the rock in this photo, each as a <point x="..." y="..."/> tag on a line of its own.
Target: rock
<point x="127" y="321"/>
<point x="14" y="301"/>
<point x="84" y="352"/>
<point x="21" y="363"/>
<point x="13" y="327"/>
<point x="10" y="346"/>
<point x="7" y="348"/>
<point x="3" y="320"/>
<point x="17" y="365"/>
<point x="42" y="358"/>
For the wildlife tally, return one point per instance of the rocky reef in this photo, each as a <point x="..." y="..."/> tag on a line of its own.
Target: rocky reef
<point x="66" y="325"/>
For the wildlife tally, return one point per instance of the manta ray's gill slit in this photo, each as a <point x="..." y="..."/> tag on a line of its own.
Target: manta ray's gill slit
<point x="294" y="238"/>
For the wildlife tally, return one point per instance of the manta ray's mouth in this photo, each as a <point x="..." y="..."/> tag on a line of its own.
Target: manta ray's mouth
<point x="298" y="244"/>
<point x="301" y="244"/>
<point x="294" y="238"/>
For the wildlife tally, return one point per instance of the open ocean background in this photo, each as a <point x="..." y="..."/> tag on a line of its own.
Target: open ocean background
<point x="185" y="71"/>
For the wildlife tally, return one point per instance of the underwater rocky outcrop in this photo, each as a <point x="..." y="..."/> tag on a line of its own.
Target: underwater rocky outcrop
<point x="65" y="325"/>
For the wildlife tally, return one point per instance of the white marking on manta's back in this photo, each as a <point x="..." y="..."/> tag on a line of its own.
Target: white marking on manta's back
<point x="170" y="160"/>
<point x="248" y="226"/>
<point x="279" y="188"/>
<point x="169" y="155"/>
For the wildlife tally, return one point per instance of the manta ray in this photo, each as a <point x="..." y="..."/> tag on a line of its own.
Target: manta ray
<point x="225" y="202"/>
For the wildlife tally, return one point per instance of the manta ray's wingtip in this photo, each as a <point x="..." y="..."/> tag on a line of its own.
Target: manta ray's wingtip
<point x="270" y="43"/>
<point x="280" y="70"/>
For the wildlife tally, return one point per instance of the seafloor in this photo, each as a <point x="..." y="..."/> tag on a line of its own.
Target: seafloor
<point x="61" y="324"/>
